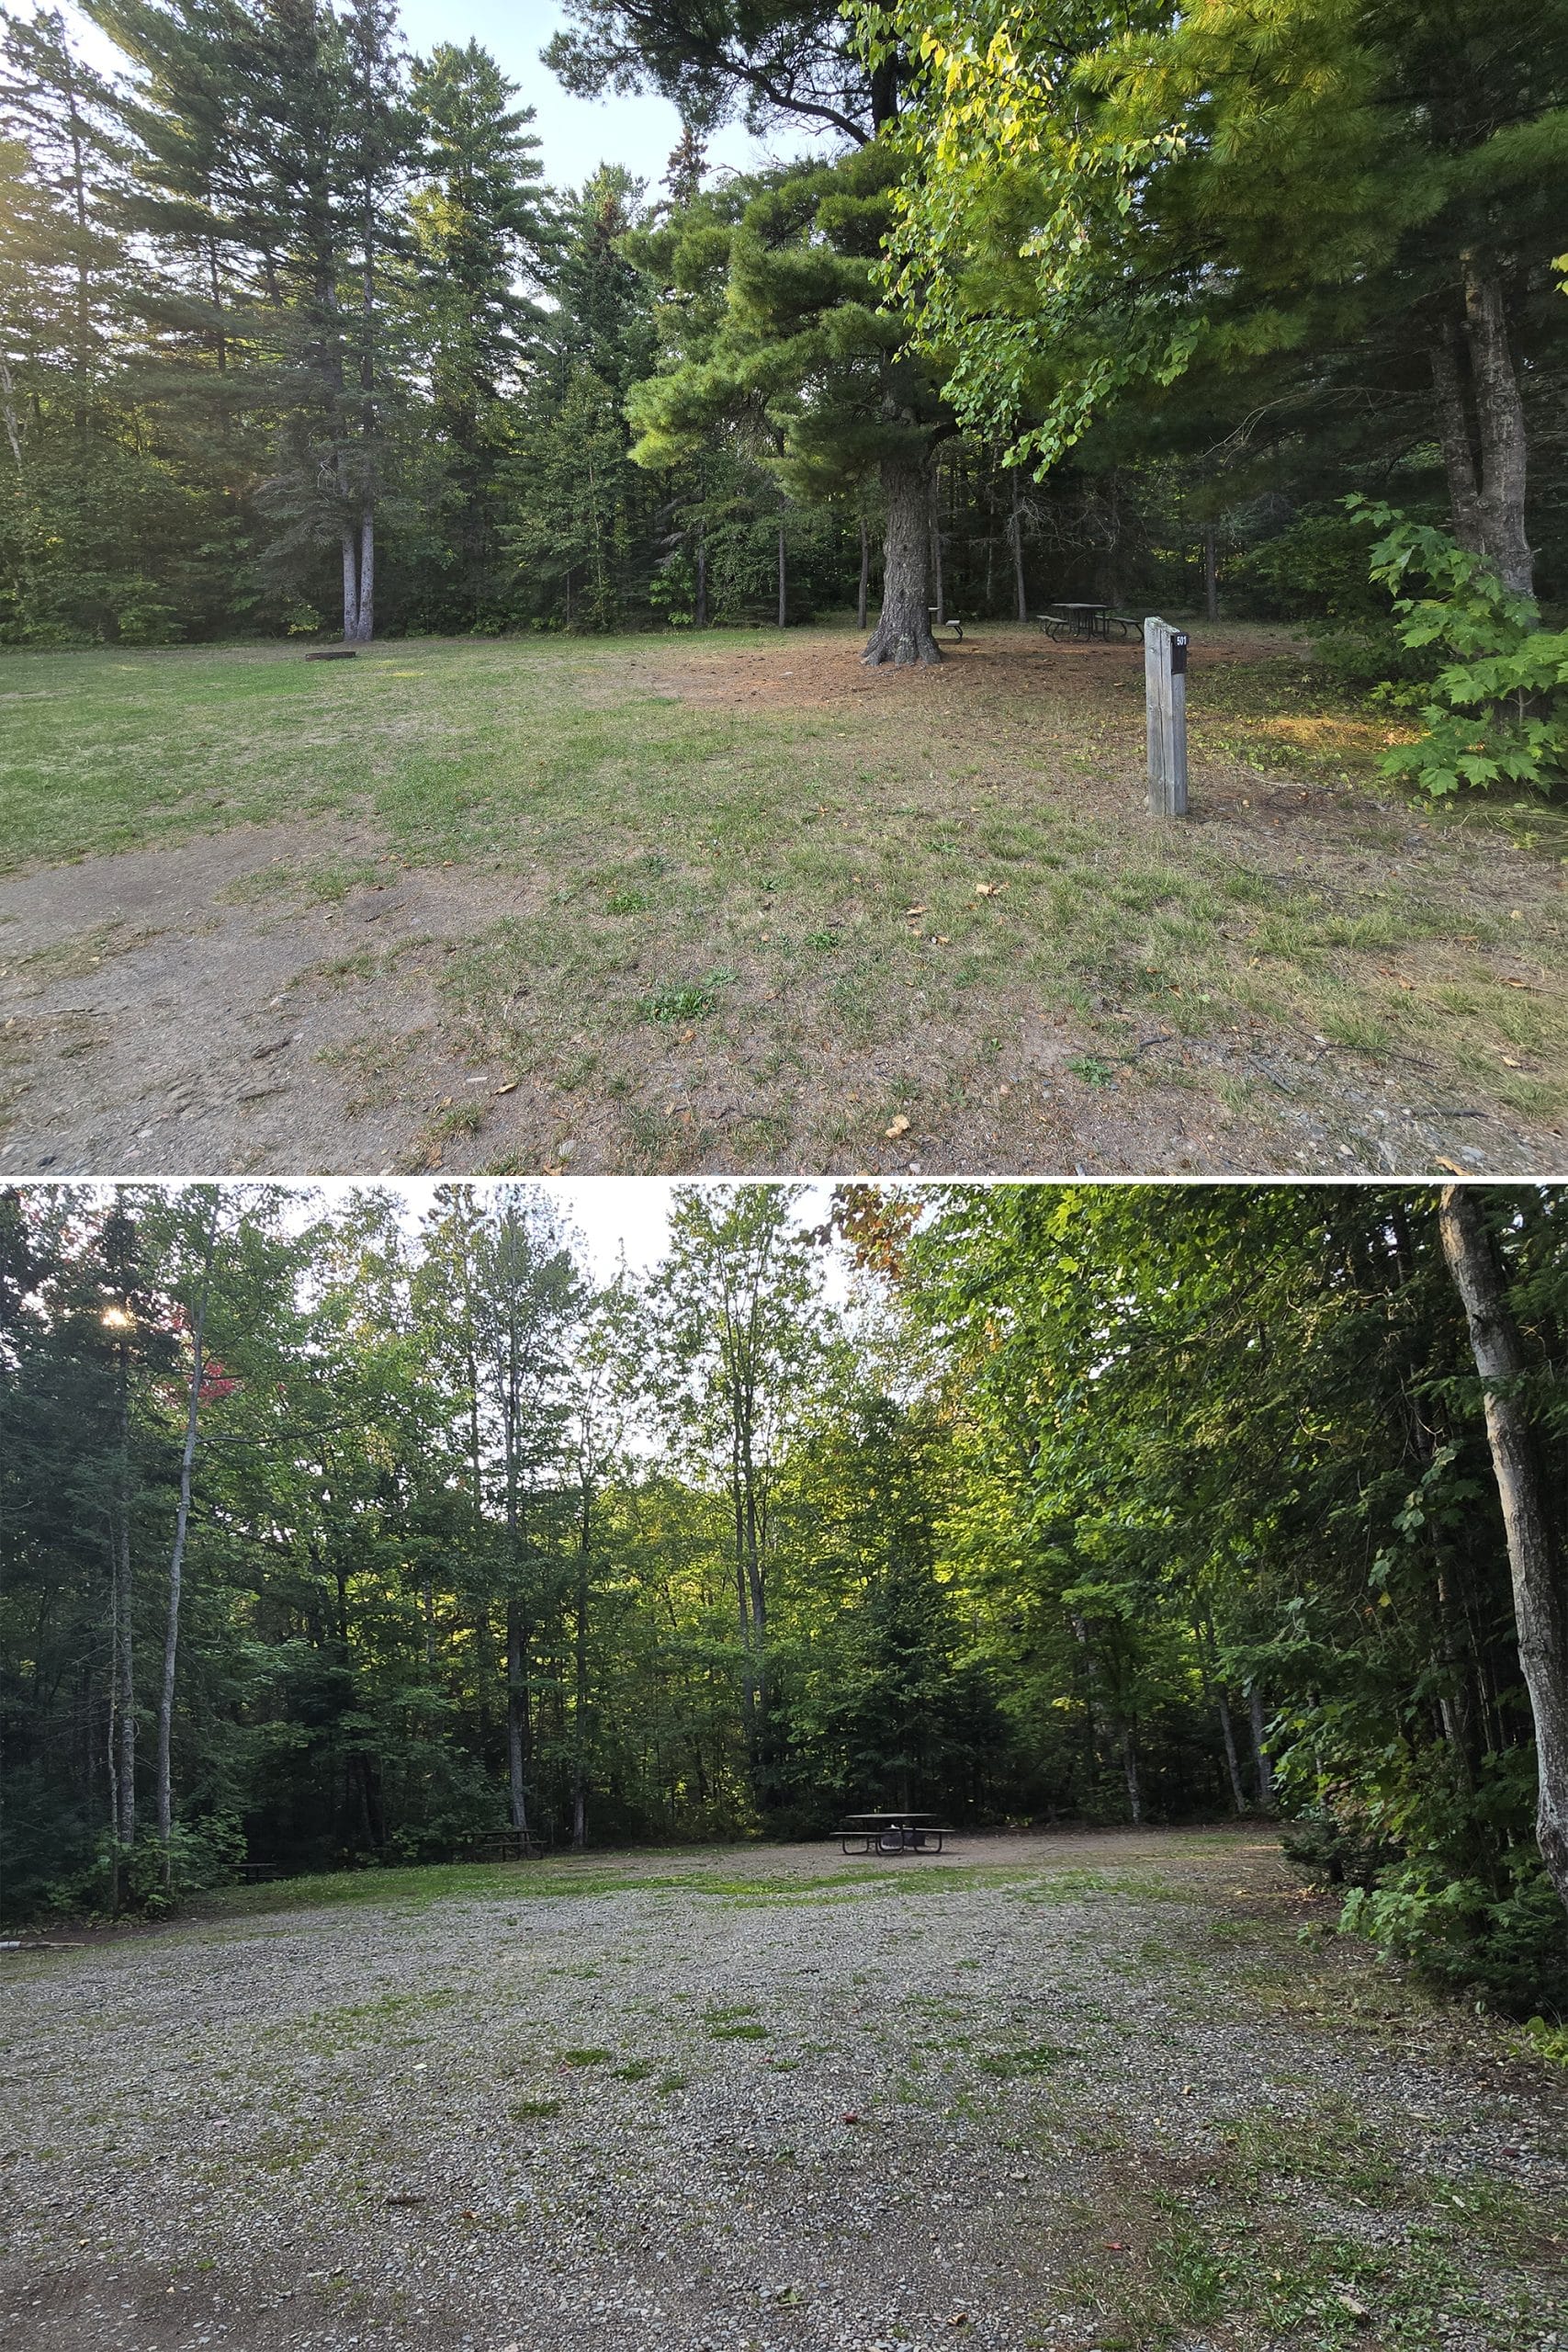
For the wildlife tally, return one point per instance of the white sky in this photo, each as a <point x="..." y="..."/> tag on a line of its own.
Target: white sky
<point x="577" y="135"/>
<point x="612" y="1213"/>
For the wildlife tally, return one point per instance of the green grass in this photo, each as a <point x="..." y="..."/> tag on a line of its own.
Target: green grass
<point x="711" y="945"/>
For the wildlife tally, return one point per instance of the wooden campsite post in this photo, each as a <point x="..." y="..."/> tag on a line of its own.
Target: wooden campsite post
<point x="1165" y="691"/>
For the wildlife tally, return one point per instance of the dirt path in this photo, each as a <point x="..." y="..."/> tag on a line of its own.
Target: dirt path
<point x="1051" y="2092"/>
<point x="1304" y="979"/>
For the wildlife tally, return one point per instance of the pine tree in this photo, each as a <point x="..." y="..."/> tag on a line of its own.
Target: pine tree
<point x="479" y="234"/>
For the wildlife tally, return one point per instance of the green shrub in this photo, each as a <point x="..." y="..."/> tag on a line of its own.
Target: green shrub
<point x="1495" y="711"/>
<point x="1507" y="1950"/>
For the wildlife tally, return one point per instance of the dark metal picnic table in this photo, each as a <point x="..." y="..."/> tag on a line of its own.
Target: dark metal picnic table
<point x="891" y="1833"/>
<point x="1084" y="619"/>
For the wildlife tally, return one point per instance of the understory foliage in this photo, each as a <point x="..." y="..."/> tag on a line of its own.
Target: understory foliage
<point x="1497" y="709"/>
<point x="1025" y="1503"/>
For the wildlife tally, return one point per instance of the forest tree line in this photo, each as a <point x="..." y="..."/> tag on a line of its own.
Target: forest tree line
<point x="294" y="336"/>
<point x="332" y="1534"/>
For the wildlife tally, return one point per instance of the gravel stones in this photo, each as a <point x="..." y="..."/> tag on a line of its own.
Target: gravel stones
<point x="526" y="2121"/>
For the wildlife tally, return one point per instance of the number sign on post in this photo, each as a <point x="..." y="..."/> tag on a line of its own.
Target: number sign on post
<point x="1165" y="689"/>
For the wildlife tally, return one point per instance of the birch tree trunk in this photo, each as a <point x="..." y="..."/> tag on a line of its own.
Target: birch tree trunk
<point x="1130" y="1768"/>
<point x="903" y="632"/>
<point x="1540" y="1613"/>
<point x="1227" y="1733"/>
<point x="8" y="414"/>
<point x="182" y="1522"/>
<point x="1262" y="1761"/>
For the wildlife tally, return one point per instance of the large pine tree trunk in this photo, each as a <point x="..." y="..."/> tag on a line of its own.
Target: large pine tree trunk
<point x="864" y="572"/>
<point x="1500" y="420"/>
<point x="1540" y="1612"/>
<point x="903" y="632"/>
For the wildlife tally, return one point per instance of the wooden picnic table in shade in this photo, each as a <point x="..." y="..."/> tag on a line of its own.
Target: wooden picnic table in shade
<point x="892" y="1833"/>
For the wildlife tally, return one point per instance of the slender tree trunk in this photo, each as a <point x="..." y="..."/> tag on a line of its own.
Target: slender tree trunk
<point x="784" y="578"/>
<point x="864" y="568"/>
<point x="702" y="611"/>
<point x="1262" y="1763"/>
<point x="1540" y="1615"/>
<point x="936" y="547"/>
<point x="364" y="621"/>
<point x="8" y="415"/>
<point x="125" y="1658"/>
<point x="1203" y="1630"/>
<point x="1227" y="1733"/>
<point x="517" y="1713"/>
<point x="1130" y="1768"/>
<point x="1211" y="574"/>
<point x="176" y="1558"/>
<point x="903" y="631"/>
<point x="1500" y="418"/>
<point x="350" y="587"/>
<point x="1015" y="532"/>
<point x="580" y="1703"/>
<point x="1454" y="440"/>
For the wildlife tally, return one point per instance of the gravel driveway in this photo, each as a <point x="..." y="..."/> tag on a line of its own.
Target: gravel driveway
<point x="1063" y="2091"/>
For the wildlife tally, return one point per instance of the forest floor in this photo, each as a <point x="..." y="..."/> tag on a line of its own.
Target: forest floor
<point x="732" y="902"/>
<point x="1062" y="2091"/>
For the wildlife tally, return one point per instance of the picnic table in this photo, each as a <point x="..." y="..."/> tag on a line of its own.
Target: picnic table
<point x="891" y="1833"/>
<point x="1083" y="619"/>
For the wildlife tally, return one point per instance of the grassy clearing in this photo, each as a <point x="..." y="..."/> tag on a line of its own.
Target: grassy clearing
<point x="762" y="904"/>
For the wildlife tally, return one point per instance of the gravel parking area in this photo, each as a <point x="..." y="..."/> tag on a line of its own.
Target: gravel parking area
<point x="1061" y="2091"/>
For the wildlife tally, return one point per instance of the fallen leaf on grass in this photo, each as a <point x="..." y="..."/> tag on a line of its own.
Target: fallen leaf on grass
<point x="989" y="890"/>
<point x="900" y="1126"/>
<point x="510" y="1087"/>
<point x="917" y="910"/>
